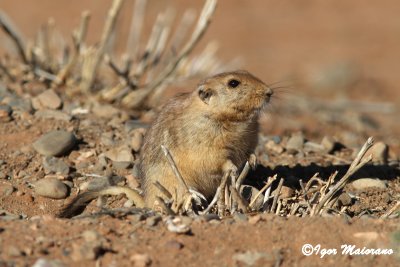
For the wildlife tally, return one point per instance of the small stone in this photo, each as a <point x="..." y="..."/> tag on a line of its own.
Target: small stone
<point x="136" y="141"/>
<point x="286" y="192"/>
<point x="86" y="251"/>
<point x="5" y="113"/>
<point x="122" y="165"/>
<point x="140" y="260"/>
<point x="295" y="143"/>
<point x="239" y="217"/>
<point x="55" y="143"/>
<point x="51" y="188"/>
<point x="53" y="114"/>
<point x="91" y="236"/>
<point x="344" y="200"/>
<point x="48" y="263"/>
<point x="122" y="154"/>
<point x="173" y="244"/>
<point x="249" y="193"/>
<point x="255" y="219"/>
<point x="105" y="111"/>
<point x="270" y="145"/>
<point x="55" y="165"/>
<point x="134" y="124"/>
<point x="250" y="258"/>
<point x="19" y="104"/>
<point x="211" y="217"/>
<point x="47" y="99"/>
<point x="13" y="251"/>
<point x="379" y="152"/>
<point x="6" y="190"/>
<point x="153" y="220"/>
<point x="365" y="183"/>
<point x="129" y="203"/>
<point x="99" y="183"/>
<point x="328" y="143"/>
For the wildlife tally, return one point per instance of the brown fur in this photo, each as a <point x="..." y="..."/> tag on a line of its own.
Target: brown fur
<point x="203" y="137"/>
<point x="208" y="131"/>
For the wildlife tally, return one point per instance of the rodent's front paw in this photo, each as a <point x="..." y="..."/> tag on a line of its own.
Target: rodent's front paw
<point x="230" y="167"/>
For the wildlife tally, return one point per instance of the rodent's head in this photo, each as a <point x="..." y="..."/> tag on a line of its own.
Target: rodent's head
<point x="234" y="95"/>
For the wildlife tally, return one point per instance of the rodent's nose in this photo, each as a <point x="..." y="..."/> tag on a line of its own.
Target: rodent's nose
<point x="270" y="92"/>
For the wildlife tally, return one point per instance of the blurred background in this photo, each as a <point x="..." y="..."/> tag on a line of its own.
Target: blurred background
<point x="336" y="61"/>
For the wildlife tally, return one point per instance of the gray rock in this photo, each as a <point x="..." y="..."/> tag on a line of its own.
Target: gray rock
<point x="48" y="263"/>
<point x="105" y="111"/>
<point x="136" y="141"/>
<point x="55" y="143"/>
<point x="239" y="217"/>
<point x="134" y="124"/>
<point x="295" y="143"/>
<point x="379" y="152"/>
<point x="99" y="183"/>
<point x="53" y="114"/>
<point x="328" y="143"/>
<point x="47" y="99"/>
<point x="5" y="113"/>
<point x="252" y="258"/>
<point x="19" y="104"/>
<point x="51" y="188"/>
<point x="249" y="192"/>
<point x="344" y="200"/>
<point x="56" y="165"/>
<point x="123" y="154"/>
<point x="365" y="183"/>
<point x="6" y="190"/>
<point x="122" y="165"/>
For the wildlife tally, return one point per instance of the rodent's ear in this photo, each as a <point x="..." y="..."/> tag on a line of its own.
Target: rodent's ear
<point x="205" y="94"/>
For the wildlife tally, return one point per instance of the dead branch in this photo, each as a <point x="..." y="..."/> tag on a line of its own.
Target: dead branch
<point x="265" y="187"/>
<point x="89" y="74"/>
<point x="201" y="26"/>
<point x="278" y="192"/>
<point x="12" y="31"/>
<point x="357" y="164"/>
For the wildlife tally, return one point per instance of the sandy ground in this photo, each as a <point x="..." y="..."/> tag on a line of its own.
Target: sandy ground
<point x="320" y="52"/>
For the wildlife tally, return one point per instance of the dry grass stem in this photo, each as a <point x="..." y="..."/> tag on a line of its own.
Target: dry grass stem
<point x="175" y="170"/>
<point x="278" y="191"/>
<point x="391" y="211"/>
<point x="265" y="187"/>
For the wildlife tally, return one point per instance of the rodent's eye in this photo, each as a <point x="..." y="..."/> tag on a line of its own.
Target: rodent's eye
<point x="233" y="83"/>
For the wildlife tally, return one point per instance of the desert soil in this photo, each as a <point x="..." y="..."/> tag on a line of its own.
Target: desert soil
<point x="337" y="64"/>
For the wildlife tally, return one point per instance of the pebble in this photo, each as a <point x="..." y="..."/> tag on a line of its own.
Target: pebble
<point x="365" y="183"/>
<point x="249" y="192"/>
<point x="5" y="113"/>
<point x="328" y="143"/>
<point x="6" y="190"/>
<point x="134" y="124"/>
<point x="345" y="200"/>
<point x="252" y="258"/>
<point x="99" y="183"/>
<point x="51" y="188"/>
<point x="173" y="244"/>
<point x="53" y="114"/>
<point x="48" y="263"/>
<point x="295" y="143"/>
<point x="153" y="220"/>
<point x="286" y="192"/>
<point x="211" y="217"/>
<point x="55" y="143"/>
<point x="47" y="99"/>
<point x="136" y="141"/>
<point x="122" y="165"/>
<point x="274" y="147"/>
<point x="123" y="154"/>
<point x="19" y="104"/>
<point x="239" y="217"/>
<point x="140" y="260"/>
<point x="105" y="111"/>
<point x="379" y="152"/>
<point x="55" y="165"/>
